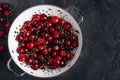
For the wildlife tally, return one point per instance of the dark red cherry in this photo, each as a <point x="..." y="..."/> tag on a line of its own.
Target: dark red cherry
<point x="20" y="50"/>
<point x="35" y="66"/>
<point x="56" y="47"/>
<point x="30" y="45"/>
<point x="67" y="26"/>
<point x="43" y="17"/>
<point x="6" y="13"/>
<point x="5" y="5"/>
<point x="8" y="25"/>
<point x="27" y="23"/>
<point x="41" y="47"/>
<point x="2" y="33"/>
<point x="55" y="19"/>
<point x="36" y="17"/>
<point x="22" y="58"/>
<point x="2" y="47"/>
<point x="29" y="61"/>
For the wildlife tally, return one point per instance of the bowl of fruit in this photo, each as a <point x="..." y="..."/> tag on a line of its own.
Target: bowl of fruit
<point x="45" y="41"/>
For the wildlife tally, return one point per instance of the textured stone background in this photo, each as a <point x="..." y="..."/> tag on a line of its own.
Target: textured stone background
<point x="100" y="56"/>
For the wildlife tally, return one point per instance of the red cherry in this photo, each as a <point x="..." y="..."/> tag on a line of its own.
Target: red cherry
<point x="22" y="58"/>
<point x="49" y="24"/>
<point x="19" y="38"/>
<point x="56" y="47"/>
<point x="2" y="47"/>
<point x="35" y="66"/>
<point x="67" y="26"/>
<point x="1" y="19"/>
<point x="23" y="29"/>
<point x="55" y="34"/>
<point x="1" y="33"/>
<point x="70" y="55"/>
<point x="35" y="55"/>
<point x="57" y="62"/>
<point x="40" y="24"/>
<point x="54" y="54"/>
<point x="67" y="43"/>
<point x="62" y="63"/>
<point x="55" y="19"/>
<point x="36" y="61"/>
<point x="61" y="21"/>
<point x="63" y="53"/>
<point x="26" y="34"/>
<point x="40" y="40"/>
<point x="59" y="57"/>
<point x="29" y="61"/>
<point x="41" y="47"/>
<point x="30" y="45"/>
<point x="43" y="17"/>
<point x="8" y="25"/>
<point x="1" y="8"/>
<point x="27" y="23"/>
<point x="40" y="57"/>
<point x="74" y="44"/>
<point x="50" y="61"/>
<point x="45" y="52"/>
<point x="31" y="29"/>
<point x="72" y="37"/>
<point x="52" y="29"/>
<point x="49" y="38"/>
<point x="20" y="50"/>
<point x="6" y="13"/>
<point x="5" y="5"/>
<point x="36" y="17"/>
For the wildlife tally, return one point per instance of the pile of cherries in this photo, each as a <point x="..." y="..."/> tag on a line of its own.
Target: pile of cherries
<point x="46" y="42"/>
<point x="5" y="13"/>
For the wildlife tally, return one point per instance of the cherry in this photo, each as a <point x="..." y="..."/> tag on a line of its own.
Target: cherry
<point x="5" y="5"/>
<point x="8" y="25"/>
<point x="36" y="17"/>
<point x="56" y="41"/>
<point x="31" y="29"/>
<point x="29" y="61"/>
<point x="19" y="38"/>
<point x="6" y="13"/>
<point x="36" y="61"/>
<point x="52" y="29"/>
<point x="20" y="50"/>
<point x="74" y="44"/>
<point x="45" y="52"/>
<point x="2" y="33"/>
<point x="1" y="19"/>
<point x="35" y="66"/>
<point x="40" y="24"/>
<point x="57" y="62"/>
<point x="63" y="53"/>
<point x="22" y="58"/>
<point x="49" y="24"/>
<point x="35" y="55"/>
<point x="26" y="34"/>
<point x="72" y="37"/>
<point x="41" y="47"/>
<point x="62" y="63"/>
<point x="23" y="29"/>
<point x="56" y="34"/>
<point x="40" y="40"/>
<point x="67" y="26"/>
<point x="59" y="57"/>
<point x="40" y="57"/>
<point x="1" y="8"/>
<point x="54" y="54"/>
<point x="67" y="43"/>
<point x="2" y="47"/>
<point x="56" y="47"/>
<point x="58" y="27"/>
<point x="42" y="66"/>
<point x="30" y="45"/>
<point x="70" y="55"/>
<point x="61" y="21"/>
<point x="55" y="19"/>
<point x="43" y="17"/>
<point x="27" y="23"/>
<point x="49" y="38"/>
<point x="50" y="61"/>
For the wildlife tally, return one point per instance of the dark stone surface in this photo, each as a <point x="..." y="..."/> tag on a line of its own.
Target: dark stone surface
<point x="100" y="56"/>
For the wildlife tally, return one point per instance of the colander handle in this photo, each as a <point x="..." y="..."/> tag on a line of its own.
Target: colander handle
<point x="75" y="13"/>
<point x="10" y="69"/>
